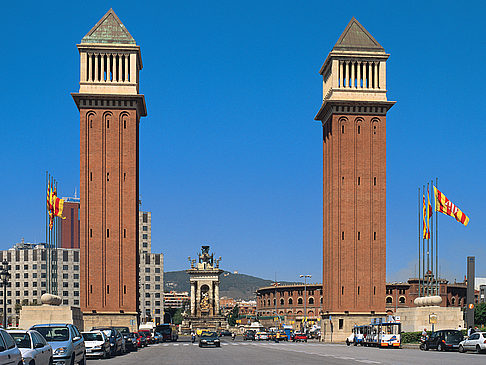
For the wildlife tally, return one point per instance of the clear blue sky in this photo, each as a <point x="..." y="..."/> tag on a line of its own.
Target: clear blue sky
<point x="229" y="153"/>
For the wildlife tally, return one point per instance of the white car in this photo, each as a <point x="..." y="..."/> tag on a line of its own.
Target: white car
<point x="97" y="344"/>
<point x="475" y="342"/>
<point x="34" y="348"/>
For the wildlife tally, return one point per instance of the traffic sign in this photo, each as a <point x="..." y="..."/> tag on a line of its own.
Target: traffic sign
<point x="471" y="306"/>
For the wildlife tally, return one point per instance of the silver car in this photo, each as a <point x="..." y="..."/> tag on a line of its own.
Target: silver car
<point x="34" y="348"/>
<point x="475" y="342"/>
<point x="9" y="353"/>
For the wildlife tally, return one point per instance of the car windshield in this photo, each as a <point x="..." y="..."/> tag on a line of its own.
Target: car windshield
<point x="123" y="330"/>
<point x="22" y="340"/>
<point x="453" y="336"/>
<point x="209" y="335"/>
<point x="90" y="336"/>
<point x="54" y="334"/>
<point x="108" y="332"/>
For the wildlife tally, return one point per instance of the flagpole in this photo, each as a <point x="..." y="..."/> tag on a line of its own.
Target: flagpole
<point x="436" y="237"/>
<point x="419" y="263"/>
<point x="423" y="248"/>
<point x="431" y="237"/>
<point x="47" y="214"/>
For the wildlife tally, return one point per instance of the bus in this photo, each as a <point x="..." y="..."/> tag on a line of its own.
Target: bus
<point x="382" y="333"/>
<point x="168" y="332"/>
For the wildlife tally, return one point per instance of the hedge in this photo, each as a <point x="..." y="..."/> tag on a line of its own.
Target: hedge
<point x="410" y="337"/>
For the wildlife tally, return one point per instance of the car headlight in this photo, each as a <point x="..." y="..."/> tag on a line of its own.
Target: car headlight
<point x="216" y="340"/>
<point x="61" y="351"/>
<point x="203" y="341"/>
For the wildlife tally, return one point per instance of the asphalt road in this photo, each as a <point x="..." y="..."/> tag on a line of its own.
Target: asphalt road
<point x="241" y="352"/>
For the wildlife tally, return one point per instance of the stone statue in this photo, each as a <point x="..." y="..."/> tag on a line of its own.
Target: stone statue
<point x="204" y="305"/>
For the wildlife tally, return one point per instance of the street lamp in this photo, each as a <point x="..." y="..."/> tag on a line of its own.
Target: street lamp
<point x="4" y="277"/>
<point x="305" y="296"/>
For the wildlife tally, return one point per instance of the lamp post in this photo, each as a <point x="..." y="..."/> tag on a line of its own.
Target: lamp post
<point x="4" y="277"/>
<point x="305" y="297"/>
<point x="396" y="296"/>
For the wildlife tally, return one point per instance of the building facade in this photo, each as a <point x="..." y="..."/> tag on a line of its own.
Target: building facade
<point x="294" y="302"/>
<point x="151" y="277"/>
<point x="27" y="264"/>
<point x="110" y="108"/>
<point x="353" y="117"/>
<point x="70" y="225"/>
<point x="176" y="300"/>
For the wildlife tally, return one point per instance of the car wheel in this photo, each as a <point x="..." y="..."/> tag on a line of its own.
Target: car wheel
<point x="461" y="349"/>
<point x="440" y="347"/>
<point x="478" y="349"/>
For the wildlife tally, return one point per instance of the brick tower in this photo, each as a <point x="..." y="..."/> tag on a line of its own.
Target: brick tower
<point x="353" y="116"/>
<point x="110" y="108"/>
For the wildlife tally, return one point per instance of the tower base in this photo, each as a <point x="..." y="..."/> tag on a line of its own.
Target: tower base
<point x="336" y="327"/>
<point x="417" y="318"/>
<point x="31" y="315"/>
<point x="212" y="323"/>
<point x="129" y="320"/>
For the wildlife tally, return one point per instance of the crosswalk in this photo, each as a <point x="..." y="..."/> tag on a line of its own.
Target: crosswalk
<point x="271" y="344"/>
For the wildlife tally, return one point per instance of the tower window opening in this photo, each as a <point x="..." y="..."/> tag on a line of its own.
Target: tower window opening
<point x="107" y="233"/>
<point x="342" y="290"/>
<point x="342" y="129"/>
<point x="374" y="181"/>
<point x="107" y="123"/>
<point x="90" y="176"/>
<point x="374" y="290"/>
<point x="124" y="233"/>
<point x="358" y="290"/>
<point x="91" y="289"/>
<point x="359" y="129"/>
<point x="359" y="180"/>
<point x="124" y="176"/>
<point x="342" y="180"/>
<point x="341" y="323"/>
<point x="107" y="176"/>
<point x="90" y="233"/>
<point x="124" y="289"/>
<point x="342" y="235"/>
<point x="128" y="59"/>
<point x="374" y="236"/>
<point x="124" y="124"/>
<point x="374" y="129"/>
<point x="378" y="75"/>
<point x="103" y="61"/>
<point x="359" y="236"/>
<point x="107" y="289"/>
<point x="98" y="61"/>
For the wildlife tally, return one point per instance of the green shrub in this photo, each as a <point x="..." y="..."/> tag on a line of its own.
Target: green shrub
<point x="410" y="337"/>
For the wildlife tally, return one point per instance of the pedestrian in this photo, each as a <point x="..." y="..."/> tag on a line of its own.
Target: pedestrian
<point x="470" y="331"/>
<point x="424" y="333"/>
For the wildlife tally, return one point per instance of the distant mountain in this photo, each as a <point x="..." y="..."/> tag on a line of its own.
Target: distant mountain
<point x="237" y="286"/>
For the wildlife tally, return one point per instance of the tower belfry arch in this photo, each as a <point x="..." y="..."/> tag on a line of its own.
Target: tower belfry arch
<point x="110" y="108"/>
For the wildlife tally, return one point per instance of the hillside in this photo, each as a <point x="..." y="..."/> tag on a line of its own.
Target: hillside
<point x="237" y="286"/>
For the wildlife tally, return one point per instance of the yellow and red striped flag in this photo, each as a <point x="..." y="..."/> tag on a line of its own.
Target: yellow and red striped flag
<point x="57" y="205"/>
<point x="425" y="219"/>
<point x="444" y="205"/>
<point x="49" y="206"/>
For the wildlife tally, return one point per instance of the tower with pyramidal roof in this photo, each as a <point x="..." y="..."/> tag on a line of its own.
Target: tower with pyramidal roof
<point x="353" y="117"/>
<point x="110" y="108"/>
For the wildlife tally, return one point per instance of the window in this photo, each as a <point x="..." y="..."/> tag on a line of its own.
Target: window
<point x="157" y="287"/>
<point x="107" y="233"/>
<point x="76" y="259"/>
<point x="34" y="275"/>
<point x="65" y="293"/>
<point x="34" y="266"/>
<point x="145" y="217"/>
<point x="374" y="236"/>
<point x="65" y="284"/>
<point x="147" y="278"/>
<point x="359" y="236"/>
<point x="76" y="284"/>
<point x="26" y="293"/>
<point x="157" y="295"/>
<point x="17" y="285"/>
<point x="145" y="245"/>
<point x="157" y="270"/>
<point x="389" y="300"/>
<point x="359" y="180"/>
<point x="145" y="228"/>
<point x="26" y="284"/>
<point x="374" y="181"/>
<point x="157" y="278"/>
<point x="43" y="284"/>
<point x="145" y="236"/>
<point x="147" y="269"/>
<point x="17" y="267"/>
<point x="107" y="176"/>
<point x="282" y="302"/>
<point x="342" y="235"/>
<point x="34" y="293"/>
<point x="157" y="311"/>
<point x="342" y="129"/>
<point x="157" y="303"/>
<point x="107" y="289"/>
<point x="299" y="301"/>
<point x="359" y="129"/>
<point x="34" y="284"/>
<point x="17" y="275"/>
<point x="147" y="303"/>
<point x="342" y="290"/>
<point x="147" y="286"/>
<point x="401" y="300"/>
<point x="65" y="276"/>
<point x="76" y="302"/>
<point x="26" y="267"/>
<point x="76" y="294"/>
<point x="76" y="267"/>
<point x="65" y="302"/>
<point x="65" y="267"/>
<point x="341" y="323"/>
<point x="358" y="290"/>
<point x="76" y="276"/>
<point x="147" y="295"/>
<point x="311" y="300"/>
<point x="65" y="255"/>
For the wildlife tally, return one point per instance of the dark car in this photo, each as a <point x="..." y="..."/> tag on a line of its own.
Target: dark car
<point x="249" y="336"/>
<point x="115" y="337"/>
<point x="209" y="339"/>
<point x="131" y="342"/>
<point x="145" y="337"/>
<point x="225" y="333"/>
<point x="125" y="332"/>
<point x="444" y="340"/>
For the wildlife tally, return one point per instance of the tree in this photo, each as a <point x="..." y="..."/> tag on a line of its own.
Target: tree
<point x="480" y="314"/>
<point x="233" y="316"/>
<point x="177" y="318"/>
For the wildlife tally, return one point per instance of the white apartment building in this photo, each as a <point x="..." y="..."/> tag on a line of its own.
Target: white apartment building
<point x="151" y="277"/>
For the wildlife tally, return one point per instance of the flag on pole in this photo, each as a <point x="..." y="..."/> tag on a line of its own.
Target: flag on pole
<point x="425" y="215"/>
<point x="429" y="211"/>
<point x="49" y="206"/>
<point x="57" y="205"/>
<point x="444" y="205"/>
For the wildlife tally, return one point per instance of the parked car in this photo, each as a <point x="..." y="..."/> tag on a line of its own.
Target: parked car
<point x="249" y="336"/>
<point x="225" y="333"/>
<point x="443" y="340"/>
<point x="9" y="352"/>
<point x="148" y="336"/>
<point x="141" y="340"/>
<point x="209" y="339"/>
<point x="299" y="337"/>
<point x="33" y="347"/>
<point x="66" y="342"/>
<point x="115" y="338"/>
<point x="124" y="331"/>
<point x="97" y="344"/>
<point x="131" y="342"/>
<point x="475" y="342"/>
<point x="261" y="336"/>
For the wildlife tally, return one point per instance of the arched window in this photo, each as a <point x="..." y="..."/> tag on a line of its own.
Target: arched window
<point x="310" y="313"/>
<point x="453" y="301"/>
<point x="291" y="301"/>
<point x="401" y="300"/>
<point x="299" y="301"/>
<point x="389" y="300"/>
<point x="321" y="300"/>
<point x="268" y="301"/>
<point x="311" y="300"/>
<point x="282" y="301"/>
<point x="274" y="301"/>
<point x="289" y="312"/>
